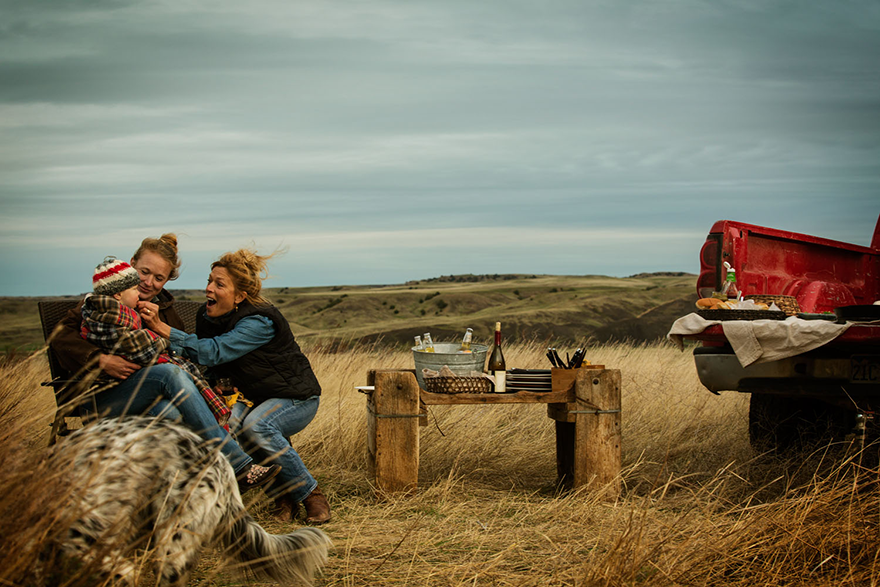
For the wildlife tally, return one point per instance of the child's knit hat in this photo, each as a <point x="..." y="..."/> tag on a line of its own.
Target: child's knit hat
<point x="114" y="276"/>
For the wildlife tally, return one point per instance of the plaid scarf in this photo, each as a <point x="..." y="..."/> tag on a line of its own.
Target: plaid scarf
<point x="118" y="330"/>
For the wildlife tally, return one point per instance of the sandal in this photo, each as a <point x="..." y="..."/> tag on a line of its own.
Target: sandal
<point x="256" y="476"/>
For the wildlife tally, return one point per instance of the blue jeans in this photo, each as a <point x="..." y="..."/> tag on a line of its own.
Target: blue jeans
<point x="266" y="428"/>
<point x="167" y="391"/>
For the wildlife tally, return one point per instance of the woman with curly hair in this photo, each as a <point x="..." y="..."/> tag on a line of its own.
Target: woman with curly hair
<point x="241" y="336"/>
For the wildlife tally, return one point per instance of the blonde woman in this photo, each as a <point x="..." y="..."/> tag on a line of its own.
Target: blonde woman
<point x="156" y="261"/>
<point x="243" y="337"/>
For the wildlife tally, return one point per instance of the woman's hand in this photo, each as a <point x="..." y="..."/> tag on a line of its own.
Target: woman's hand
<point x="149" y="313"/>
<point x="117" y="367"/>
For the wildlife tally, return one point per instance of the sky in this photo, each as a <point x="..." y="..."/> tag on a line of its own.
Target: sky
<point x="378" y="142"/>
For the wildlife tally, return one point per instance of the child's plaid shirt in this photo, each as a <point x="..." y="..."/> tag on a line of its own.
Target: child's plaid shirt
<point x="118" y="330"/>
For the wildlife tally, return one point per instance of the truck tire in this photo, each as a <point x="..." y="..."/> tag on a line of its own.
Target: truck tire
<point x="784" y="423"/>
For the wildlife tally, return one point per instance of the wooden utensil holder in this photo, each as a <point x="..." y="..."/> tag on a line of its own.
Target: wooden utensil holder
<point x="563" y="379"/>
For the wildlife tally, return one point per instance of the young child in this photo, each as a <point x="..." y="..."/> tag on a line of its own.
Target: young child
<point x="111" y="322"/>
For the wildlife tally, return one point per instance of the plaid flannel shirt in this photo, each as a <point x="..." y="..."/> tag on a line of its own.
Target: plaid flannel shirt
<point x="118" y="330"/>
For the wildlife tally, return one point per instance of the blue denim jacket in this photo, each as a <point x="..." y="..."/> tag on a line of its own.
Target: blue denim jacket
<point x="248" y="334"/>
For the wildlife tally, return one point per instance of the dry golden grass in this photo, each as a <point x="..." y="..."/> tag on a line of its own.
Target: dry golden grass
<point x="698" y="507"/>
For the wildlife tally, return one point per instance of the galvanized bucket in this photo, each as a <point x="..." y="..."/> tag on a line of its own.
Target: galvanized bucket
<point x="447" y="354"/>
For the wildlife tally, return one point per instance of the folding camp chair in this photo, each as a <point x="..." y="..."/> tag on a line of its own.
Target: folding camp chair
<point x="62" y="382"/>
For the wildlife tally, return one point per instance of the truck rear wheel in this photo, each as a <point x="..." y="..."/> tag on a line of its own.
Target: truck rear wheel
<point x="783" y="423"/>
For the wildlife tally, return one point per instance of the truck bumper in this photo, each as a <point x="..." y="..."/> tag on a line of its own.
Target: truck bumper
<point x="823" y="377"/>
<point x="723" y="372"/>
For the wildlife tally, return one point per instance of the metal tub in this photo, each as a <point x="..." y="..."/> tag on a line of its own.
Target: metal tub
<point x="447" y="354"/>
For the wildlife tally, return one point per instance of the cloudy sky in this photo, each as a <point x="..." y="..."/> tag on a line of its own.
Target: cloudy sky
<point x="387" y="141"/>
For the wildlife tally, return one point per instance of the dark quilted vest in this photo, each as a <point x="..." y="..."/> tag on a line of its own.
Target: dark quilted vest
<point x="277" y="369"/>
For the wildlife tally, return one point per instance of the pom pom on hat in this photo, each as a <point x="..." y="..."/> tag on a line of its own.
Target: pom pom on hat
<point x="114" y="276"/>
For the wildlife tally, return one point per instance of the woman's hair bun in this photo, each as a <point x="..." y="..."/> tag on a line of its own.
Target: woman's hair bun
<point x="170" y="239"/>
<point x="166" y="247"/>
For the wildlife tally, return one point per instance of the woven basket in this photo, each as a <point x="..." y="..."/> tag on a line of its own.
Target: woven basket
<point x="458" y="385"/>
<point x="741" y="315"/>
<point x="787" y="304"/>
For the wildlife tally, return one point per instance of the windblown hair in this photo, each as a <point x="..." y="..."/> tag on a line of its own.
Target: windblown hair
<point x="166" y="247"/>
<point x="141" y="483"/>
<point x="247" y="269"/>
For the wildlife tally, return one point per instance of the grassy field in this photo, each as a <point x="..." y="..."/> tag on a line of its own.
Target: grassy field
<point x="531" y="307"/>
<point x="698" y="506"/>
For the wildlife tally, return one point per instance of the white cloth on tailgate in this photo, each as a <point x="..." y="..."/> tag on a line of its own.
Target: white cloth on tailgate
<point x="761" y="341"/>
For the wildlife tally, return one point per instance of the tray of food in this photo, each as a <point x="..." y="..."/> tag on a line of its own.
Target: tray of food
<point x="742" y="315"/>
<point x="716" y="309"/>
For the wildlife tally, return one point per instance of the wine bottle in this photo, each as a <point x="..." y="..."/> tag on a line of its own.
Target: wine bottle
<point x="496" y="366"/>
<point x="466" y="341"/>
<point x="419" y="346"/>
<point x="429" y="344"/>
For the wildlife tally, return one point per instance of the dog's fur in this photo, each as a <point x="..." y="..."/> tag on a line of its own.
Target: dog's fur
<point x="143" y="484"/>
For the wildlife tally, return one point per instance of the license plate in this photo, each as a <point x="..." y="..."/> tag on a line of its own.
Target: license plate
<point x="865" y="369"/>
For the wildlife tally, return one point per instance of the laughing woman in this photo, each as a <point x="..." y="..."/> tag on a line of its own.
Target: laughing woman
<point x="241" y="336"/>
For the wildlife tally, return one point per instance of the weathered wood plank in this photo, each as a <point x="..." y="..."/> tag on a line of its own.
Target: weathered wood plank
<point x="393" y="425"/>
<point x="564" y="379"/>
<point x="597" y="452"/>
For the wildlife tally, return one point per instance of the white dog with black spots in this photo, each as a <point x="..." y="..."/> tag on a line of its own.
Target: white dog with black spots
<point x="144" y="484"/>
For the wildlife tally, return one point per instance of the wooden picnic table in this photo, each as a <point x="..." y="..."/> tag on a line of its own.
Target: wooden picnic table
<point x="584" y="403"/>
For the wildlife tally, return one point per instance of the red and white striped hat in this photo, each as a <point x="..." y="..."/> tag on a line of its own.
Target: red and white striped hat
<point x="114" y="276"/>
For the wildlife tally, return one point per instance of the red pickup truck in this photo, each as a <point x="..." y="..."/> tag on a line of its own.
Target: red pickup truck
<point x="825" y="393"/>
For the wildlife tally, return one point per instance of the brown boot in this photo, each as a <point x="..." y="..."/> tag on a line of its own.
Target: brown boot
<point x="317" y="508"/>
<point x="285" y="509"/>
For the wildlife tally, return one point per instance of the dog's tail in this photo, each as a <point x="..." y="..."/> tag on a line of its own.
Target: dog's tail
<point x="278" y="557"/>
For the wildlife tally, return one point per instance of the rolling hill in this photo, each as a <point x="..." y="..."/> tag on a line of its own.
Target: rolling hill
<point x="558" y="309"/>
<point x="553" y="308"/>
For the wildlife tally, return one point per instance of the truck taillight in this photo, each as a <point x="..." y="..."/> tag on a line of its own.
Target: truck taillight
<point x="710" y="264"/>
<point x="709" y="254"/>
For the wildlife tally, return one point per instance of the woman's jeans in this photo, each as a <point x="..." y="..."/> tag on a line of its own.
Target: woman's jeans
<point x="266" y="428"/>
<point x="165" y="390"/>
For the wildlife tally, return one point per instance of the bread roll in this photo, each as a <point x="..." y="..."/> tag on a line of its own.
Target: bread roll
<point x="709" y="303"/>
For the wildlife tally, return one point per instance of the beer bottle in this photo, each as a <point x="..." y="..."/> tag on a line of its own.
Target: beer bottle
<point x="429" y="344"/>
<point x="466" y="341"/>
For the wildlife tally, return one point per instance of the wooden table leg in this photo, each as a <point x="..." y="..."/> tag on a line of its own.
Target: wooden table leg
<point x="393" y="430"/>
<point x="564" y="452"/>
<point x="597" y="454"/>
